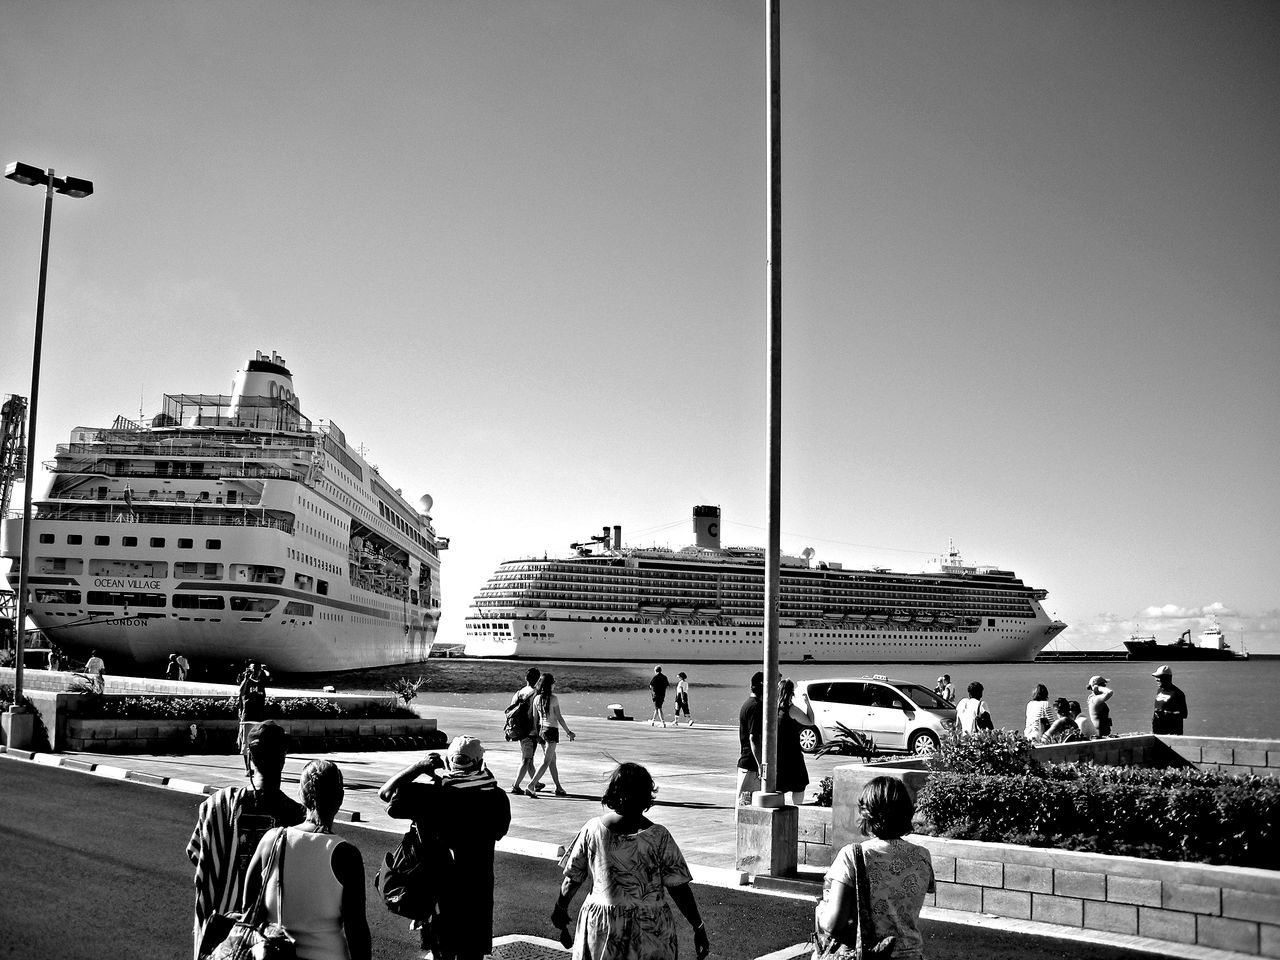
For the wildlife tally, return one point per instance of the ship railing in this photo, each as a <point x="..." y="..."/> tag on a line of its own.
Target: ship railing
<point x="201" y="450"/>
<point x="208" y="470"/>
<point x="118" y="497"/>
<point x="184" y="517"/>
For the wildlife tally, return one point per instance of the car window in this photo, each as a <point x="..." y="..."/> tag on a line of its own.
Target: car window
<point x="878" y="696"/>
<point x="817" y="690"/>
<point x="924" y="697"/>
<point x="851" y="692"/>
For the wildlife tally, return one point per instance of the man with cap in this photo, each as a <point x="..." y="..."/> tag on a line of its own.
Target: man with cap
<point x="232" y="821"/>
<point x="465" y="808"/>
<point x="1099" y="712"/>
<point x="1171" y="704"/>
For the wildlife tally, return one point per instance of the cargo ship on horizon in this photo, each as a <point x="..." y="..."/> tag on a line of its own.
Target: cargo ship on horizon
<point x="705" y="602"/>
<point x="1210" y="645"/>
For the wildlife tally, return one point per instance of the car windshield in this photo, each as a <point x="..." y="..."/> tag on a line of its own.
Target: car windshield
<point x="924" y="698"/>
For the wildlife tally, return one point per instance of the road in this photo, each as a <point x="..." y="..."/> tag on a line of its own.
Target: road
<point x="95" y="868"/>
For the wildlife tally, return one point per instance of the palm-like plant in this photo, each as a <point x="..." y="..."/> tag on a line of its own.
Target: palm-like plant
<point x="848" y="743"/>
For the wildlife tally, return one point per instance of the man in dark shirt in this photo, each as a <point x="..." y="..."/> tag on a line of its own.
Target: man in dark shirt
<point x="469" y="812"/>
<point x="750" y="732"/>
<point x="658" y="691"/>
<point x="1171" y="705"/>
<point x="233" y="820"/>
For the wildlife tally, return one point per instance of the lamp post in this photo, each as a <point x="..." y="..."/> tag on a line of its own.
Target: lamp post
<point x="70" y="187"/>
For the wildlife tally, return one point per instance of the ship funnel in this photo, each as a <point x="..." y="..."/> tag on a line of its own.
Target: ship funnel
<point x="706" y="527"/>
<point x="263" y="377"/>
<point x="617" y="537"/>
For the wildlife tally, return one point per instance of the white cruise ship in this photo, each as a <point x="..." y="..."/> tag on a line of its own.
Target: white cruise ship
<point x="706" y="603"/>
<point x="230" y="528"/>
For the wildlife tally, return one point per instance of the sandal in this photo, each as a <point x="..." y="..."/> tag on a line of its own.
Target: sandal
<point x="561" y="792"/>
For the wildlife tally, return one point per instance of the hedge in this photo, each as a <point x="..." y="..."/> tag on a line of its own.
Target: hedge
<point x="196" y="709"/>
<point x="1180" y="813"/>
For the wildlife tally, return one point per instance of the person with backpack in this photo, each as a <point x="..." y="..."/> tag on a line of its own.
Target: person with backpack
<point x="464" y="808"/>
<point x="521" y="725"/>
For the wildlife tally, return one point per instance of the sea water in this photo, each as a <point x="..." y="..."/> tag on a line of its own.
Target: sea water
<point x="1226" y="699"/>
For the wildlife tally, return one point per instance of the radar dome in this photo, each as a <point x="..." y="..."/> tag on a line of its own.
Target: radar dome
<point x="426" y="503"/>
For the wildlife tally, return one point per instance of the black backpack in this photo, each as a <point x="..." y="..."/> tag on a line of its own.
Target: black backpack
<point x="413" y="874"/>
<point x="520" y="721"/>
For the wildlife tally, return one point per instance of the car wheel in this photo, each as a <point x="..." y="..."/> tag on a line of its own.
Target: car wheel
<point x="810" y="739"/>
<point x="923" y="743"/>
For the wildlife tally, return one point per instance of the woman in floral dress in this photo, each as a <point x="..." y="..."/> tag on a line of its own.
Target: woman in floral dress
<point x="636" y="869"/>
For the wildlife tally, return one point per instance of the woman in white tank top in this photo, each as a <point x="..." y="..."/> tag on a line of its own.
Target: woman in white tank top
<point x="316" y="891"/>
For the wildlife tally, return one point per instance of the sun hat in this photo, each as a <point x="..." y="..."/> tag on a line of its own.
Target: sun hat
<point x="1163" y="671"/>
<point x="1097" y="681"/>
<point x="465" y="753"/>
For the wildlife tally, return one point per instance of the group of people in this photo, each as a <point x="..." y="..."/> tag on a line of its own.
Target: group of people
<point x="546" y="722"/>
<point x="255" y="847"/>
<point x="1064" y="720"/>
<point x="177" y="668"/>
<point x="658" y="685"/>
<point x="792" y="776"/>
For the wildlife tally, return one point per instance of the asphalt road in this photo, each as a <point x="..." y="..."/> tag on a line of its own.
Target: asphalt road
<point x="96" y="868"/>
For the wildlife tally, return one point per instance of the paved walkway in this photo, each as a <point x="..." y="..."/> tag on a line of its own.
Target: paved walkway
<point x="694" y="769"/>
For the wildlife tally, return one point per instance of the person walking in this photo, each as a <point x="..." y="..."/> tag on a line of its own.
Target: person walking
<point x="636" y="870"/>
<point x="470" y="813"/>
<point x="750" y="733"/>
<point x="1099" y="712"/>
<point x="793" y="775"/>
<point x="1171" y="704"/>
<point x="658" y="684"/>
<point x="232" y="820"/>
<point x="316" y="891"/>
<point x="972" y="713"/>
<point x="682" y="699"/>
<point x="546" y="707"/>
<point x="96" y="670"/>
<point x="529" y="744"/>
<point x="1040" y="715"/>
<point x="171" y="669"/>
<point x="899" y="874"/>
<point x="184" y="666"/>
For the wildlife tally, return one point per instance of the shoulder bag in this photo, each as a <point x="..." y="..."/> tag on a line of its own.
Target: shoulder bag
<point x="854" y="938"/>
<point x="249" y="935"/>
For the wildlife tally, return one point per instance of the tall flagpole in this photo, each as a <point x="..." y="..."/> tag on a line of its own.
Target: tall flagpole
<point x="772" y="553"/>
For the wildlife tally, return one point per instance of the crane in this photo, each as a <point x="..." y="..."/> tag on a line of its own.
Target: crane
<point x="13" y="446"/>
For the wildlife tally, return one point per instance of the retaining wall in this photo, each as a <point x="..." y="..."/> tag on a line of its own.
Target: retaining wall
<point x="170" y="736"/>
<point x="1226" y="908"/>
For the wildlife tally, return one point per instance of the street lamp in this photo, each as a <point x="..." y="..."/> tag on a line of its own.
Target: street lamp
<point x="70" y="187"/>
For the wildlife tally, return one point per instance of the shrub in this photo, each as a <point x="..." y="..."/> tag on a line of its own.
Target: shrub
<point x="1186" y="814"/>
<point x="198" y="709"/>
<point x="987" y="751"/>
<point x="6" y="696"/>
<point x="826" y="787"/>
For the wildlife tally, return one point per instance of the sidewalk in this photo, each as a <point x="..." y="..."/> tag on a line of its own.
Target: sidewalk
<point x="694" y="769"/>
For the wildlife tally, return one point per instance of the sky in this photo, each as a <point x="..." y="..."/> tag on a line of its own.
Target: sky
<point x="1031" y="269"/>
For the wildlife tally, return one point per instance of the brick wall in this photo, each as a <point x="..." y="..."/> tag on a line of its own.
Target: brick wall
<point x="1226" y="908"/>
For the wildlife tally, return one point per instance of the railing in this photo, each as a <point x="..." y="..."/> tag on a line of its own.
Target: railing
<point x="171" y="517"/>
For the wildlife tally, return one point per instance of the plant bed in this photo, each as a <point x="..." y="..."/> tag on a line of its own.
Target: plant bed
<point x="204" y="709"/>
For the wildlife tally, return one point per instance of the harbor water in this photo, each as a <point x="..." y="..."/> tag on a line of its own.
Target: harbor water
<point x="1231" y="699"/>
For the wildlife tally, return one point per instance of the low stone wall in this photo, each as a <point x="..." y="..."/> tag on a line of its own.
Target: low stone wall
<point x="1226" y="908"/>
<point x="814" y="838"/>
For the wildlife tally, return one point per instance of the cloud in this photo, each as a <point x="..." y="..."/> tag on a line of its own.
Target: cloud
<point x="1171" y="611"/>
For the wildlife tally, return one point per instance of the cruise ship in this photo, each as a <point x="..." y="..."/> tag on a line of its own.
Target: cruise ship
<point x="230" y="528"/>
<point x="705" y="603"/>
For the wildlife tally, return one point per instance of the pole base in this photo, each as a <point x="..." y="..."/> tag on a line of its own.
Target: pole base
<point x="19" y="727"/>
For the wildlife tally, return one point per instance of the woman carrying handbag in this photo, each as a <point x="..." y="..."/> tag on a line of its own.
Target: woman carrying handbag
<point x="886" y="870"/>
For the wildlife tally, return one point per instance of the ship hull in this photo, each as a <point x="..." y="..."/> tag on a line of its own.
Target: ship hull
<point x="1166" y="653"/>
<point x="1009" y="640"/>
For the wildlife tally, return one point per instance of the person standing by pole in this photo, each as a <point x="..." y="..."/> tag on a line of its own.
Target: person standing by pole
<point x="1171" y="704"/>
<point x="750" y="732"/>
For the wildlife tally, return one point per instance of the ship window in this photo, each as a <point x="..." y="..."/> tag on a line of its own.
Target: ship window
<point x="57" y="596"/>
<point x="113" y="599"/>
<point x="213" y="544"/>
<point x="102" y="541"/>
<point x="157" y="541"/>
<point x="129" y="541"/>
<point x="254" y="604"/>
<point x="46" y="538"/>
<point x="184" y="543"/>
<point x="74" y="539"/>
<point x="991" y="621"/>
<point x="196" y="601"/>
<point x="295" y="609"/>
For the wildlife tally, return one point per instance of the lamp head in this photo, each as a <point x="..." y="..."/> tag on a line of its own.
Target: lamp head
<point x="74" y="187"/>
<point x="21" y="172"/>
